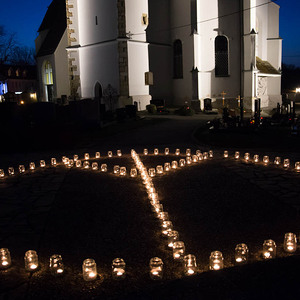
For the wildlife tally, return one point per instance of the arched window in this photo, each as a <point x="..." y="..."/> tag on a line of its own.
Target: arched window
<point x="177" y="53"/>
<point x="48" y="73"/>
<point x="221" y="56"/>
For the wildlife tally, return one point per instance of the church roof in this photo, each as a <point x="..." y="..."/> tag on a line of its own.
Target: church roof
<point x="55" y="24"/>
<point x="265" y="67"/>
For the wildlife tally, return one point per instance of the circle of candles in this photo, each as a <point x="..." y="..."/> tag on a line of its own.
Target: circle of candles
<point x="109" y="154"/>
<point x="277" y="161"/>
<point x="237" y="155"/>
<point x="89" y="269"/>
<point x="145" y="152"/>
<point x="225" y="154"/>
<point x="182" y="162"/>
<point x="78" y="163"/>
<point x="174" y="164"/>
<point x="86" y="164"/>
<point x="167" y="226"/>
<point x="119" y="153"/>
<point x="195" y="158"/>
<point x="21" y="169"/>
<point x="75" y="157"/>
<point x="97" y="155"/>
<point x="266" y="159"/>
<point x="133" y="172"/>
<point x="290" y="242"/>
<point x="103" y="168"/>
<point x="167" y="151"/>
<point x="167" y="166"/>
<point x="56" y="264"/>
<point x="256" y="158"/>
<point x="151" y="172"/>
<point x="118" y="268"/>
<point x="211" y="153"/>
<point x="31" y="260"/>
<point x="177" y="152"/>
<point x="173" y="236"/>
<point x="2" y="173"/>
<point x="156" y="151"/>
<point x="188" y="152"/>
<point x="297" y="166"/>
<point x="116" y="169"/>
<point x="53" y="162"/>
<point x="247" y="157"/>
<point x="216" y="260"/>
<point x="190" y="264"/>
<point x="286" y="163"/>
<point x="5" y="259"/>
<point x="86" y="156"/>
<point x="95" y="166"/>
<point x="11" y="171"/>
<point x="159" y="169"/>
<point x="178" y="250"/>
<point x="123" y="171"/>
<point x="269" y="249"/>
<point x="241" y="253"/>
<point x="188" y="160"/>
<point x="42" y="163"/>
<point x="156" y="268"/>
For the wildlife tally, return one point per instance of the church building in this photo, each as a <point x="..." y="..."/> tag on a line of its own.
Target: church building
<point x="176" y="50"/>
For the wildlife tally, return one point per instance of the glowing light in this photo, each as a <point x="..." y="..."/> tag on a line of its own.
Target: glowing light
<point x="5" y="259"/>
<point x="216" y="260"/>
<point x="89" y="269"/>
<point x="156" y="268"/>
<point x="118" y="268"/>
<point x="269" y="249"/>
<point x="31" y="260"/>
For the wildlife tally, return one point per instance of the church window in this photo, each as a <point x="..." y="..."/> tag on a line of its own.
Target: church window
<point x="177" y="55"/>
<point x="9" y="72"/>
<point x="48" y="73"/>
<point x="221" y="56"/>
<point x="144" y="19"/>
<point x="17" y="72"/>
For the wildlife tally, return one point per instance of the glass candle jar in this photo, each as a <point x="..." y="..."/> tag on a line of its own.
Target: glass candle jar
<point x="71" y="163"/>
<point x="156" y="207"/>
<point x="178" y="250"/>
<point x="156" y="268"/>
<point x="159" y="169"/>
<point x="56" y="264"/>
<point x="103" y="168"/>
<point x="256" y="158"/>
<point x="2" y="173"/>
<point x="78" y="163"/>
<point x="151" y="172"/>
<point x="286" y="163"/>
<point x="89" y="269"/>
<point x="53" y="162"/>
<point x="241" y="253"/>
<point x="31" y="260"/>
<point x="173" y="236"/>
<point x="167" y="151"/>
<point x="75" y="157"/>
<point x="211" y="153"/>
<point x="205" y="155"/>
<point x="42" y="163"/>
<point x="198" y="152"/>
<point x="95" y="166"/>
<point x="117" y="169"/>
<point x="190" y="264"/>
<point x="21" y="169"/>
<point x="163" y="216"/>
<point x="167" y="167"/>
<point x="188" y="152"/>
<point x="174" y="164"/>
<point x="200" y="157"/>
<point x="145" y="152"/>
<point x="118" y="268"/>
<point x="119" y="153"/>
<point x="225" y="154"/>
<point x="32" y="166"/>
<point x="182" y="162"/>
<point x="86" y="156"/>
<point x="237" y="155"/>
<point x="133" y="172"/>
<point x="5" y="259"/>
<point x="177" y="152"/>
<point x="290" y="242"/>
<point x="269" y="249"/>
<point x="167" y="226"/>
<point x="156" y="151"/>
<point x="266" y="159"/>
<point x="11" y="171"/>
<point x="123" y="171"/>
<point x="86" y="164"/>
<point x="109" y="154"/>
<point x="297" y="166"/>
<point x="247" y="156"/>
<point x="277" y="161"/>
<point x="216" y="260"/>
<point x="97" y="155"/>
<point x="188" y="160"/>
<point x="195" y="158"/>
<point x="66" y="161"/>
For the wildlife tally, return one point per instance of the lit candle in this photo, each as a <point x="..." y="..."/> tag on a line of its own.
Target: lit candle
<point x="188" y="152"/>
<point x="31" y="260"/>
<point x="97" y="155"/>
<point x="241" y="253"/>
<point x="269" y="249"/>
<point x="78" y="163"/>
<point x="178" y="250"/>
<point x="118" y="268"/>
<point x="119" y="153"/>
<point x="277" y="161"/>
<point x="173" y="236"/>
<point x="177" y="152"/>
<point x="95" y="166"/>
<point x="86" y="164"/>
<point x="216" y="260"/>
<point x="266" y="159"/>
<point x="21" y="169"/>
<point x="198" y="153"/>
<point x="89" y="269"/>
<point x="290" y="242"/>
<point x="11" y="171"/>
<point x="56" y="264"/>
<point x="174" y="164"/>
<point x="286" y="163"/>
<point x="5" y="259"/>
<point x="2" y="173"/>
<point x="123" y="171"/>
<point x="133" y="172"/>
<point x="182" y="162"/>
<point x="167" y="226"/>
<point x="247" y="157"/>
<point x="195" y="158"/>
<point x="159" y="169"/>
<point x="42" y="163"/>
<point x="156" y="207"/>
<point x="167" y="151"/>
<point x="190" y="264"/>
<point x="211" y="153"/>
<point x="225" y="154"/>
<point x="188" y="160"/>
<point x="86" y="156"/>
<point x="205" y="155"/>
<point x="163" y="216"/>
<point x="256" y="158"/>
<point x="66" y="161"/>
<point x="53" y="162"/>
<point x="237" y="155"/>
<point x="75" y="157"/>
<point x="109" y="154"/>
<point x="167" y="166"/>
<point x="145" y="151"/>
<point x="156" y="151"/>
<point x="116" y="169"/>
<point x="103" y="168"/>
<point x="297" y="166"/>
<point x="156" y="268"/>
<point x="151" y="172"/>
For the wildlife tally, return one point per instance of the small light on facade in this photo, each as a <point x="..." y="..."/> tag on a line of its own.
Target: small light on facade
<point x="266" y="160"/>
<point x="86" y="156"/>
<point x="2" y="173"/>
<point x="290" y="242"/>
<point x="42" y="163"/>
<point x="133" y="172"/>
<point x="297" y="166"/>
<point x="167" y="151"/>
<point x="216" y="260"/>
<point x="237" y="155"/>
<point x="86" y="164"/>
<point x="211" y="153"/>
<point x="178" y="250"/>
<point x="11" y="171"/>
<point x="286" y="163"/>
<point x="21" y="169"/>
<point x="89" y="269"/>
<point x="173" y="236"/>
<point x="156" y="151"/>
<point x="109" y="154"/>
<point x="277" y="161"/>
<point x="119" y="153"/>
<point x="256" y="158"/>
<point x="116" y="169"/>
<point x="167" y="226"/>
<point x="190" y="264"/>
<point x="123" y="171"/>
<point x="177" y="152"/>
<point x="78" y="163"/>
<point x="159" y="169"/>
<point x="103" y="168"/>
<point x="247" y="157"/>
<point x="95" y="166"/>
<point x="56" y="264"/>
<point x="97" y="155"/>
<point x="156" y="268"/>
<point x="151" y="172"/>
<point x="53" y="162"/>
<point x="225" y="155"/>
<point x="5" y="259"/>
<point x="241" y="253"/>
<point x="145" y="152"/>
<point x="188" y="160"/>
<point x="188" y="152"/>
<point x="182" y="162"/>
<point x="31" y="260"/>
<point x="167" y="167"/>
<point x="174" y="164"/>
<point x="118" y="268"/>
<point x="269" y="249"/>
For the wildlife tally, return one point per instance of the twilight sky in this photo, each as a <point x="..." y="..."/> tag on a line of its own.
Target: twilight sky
<point x="24" y="17"/>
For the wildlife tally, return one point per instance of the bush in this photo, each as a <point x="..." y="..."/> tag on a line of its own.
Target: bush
<point x="185" y="111"/>
<point x="151" y="108"/>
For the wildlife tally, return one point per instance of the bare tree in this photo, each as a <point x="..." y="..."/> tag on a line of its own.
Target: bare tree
<point x="22" y="55"/>
<point x="7" y="44"/>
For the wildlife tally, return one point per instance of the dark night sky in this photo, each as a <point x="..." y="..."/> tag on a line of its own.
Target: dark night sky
<point x="23" y="17"/>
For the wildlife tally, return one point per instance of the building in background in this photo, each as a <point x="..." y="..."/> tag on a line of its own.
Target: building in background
<point x="180" y="51"/>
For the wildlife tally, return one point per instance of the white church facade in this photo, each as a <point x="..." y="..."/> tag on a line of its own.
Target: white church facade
<point x="177" y="50"/>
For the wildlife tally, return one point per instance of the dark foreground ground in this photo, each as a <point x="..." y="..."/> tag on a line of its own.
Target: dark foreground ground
<point x="214" y="205"/>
